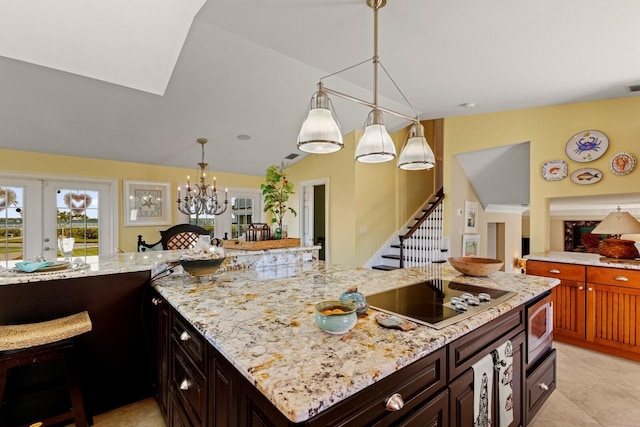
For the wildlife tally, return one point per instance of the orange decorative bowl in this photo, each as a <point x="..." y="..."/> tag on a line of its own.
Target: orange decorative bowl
<point x="472" y="266"/>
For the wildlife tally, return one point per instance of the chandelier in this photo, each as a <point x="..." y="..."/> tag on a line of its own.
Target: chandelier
<point x="202" y="198"/>
<point x="321" y="134"/>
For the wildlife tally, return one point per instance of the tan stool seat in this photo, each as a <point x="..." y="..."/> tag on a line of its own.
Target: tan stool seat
<point x="15" y="337"/>
<point x="32" y="343"/>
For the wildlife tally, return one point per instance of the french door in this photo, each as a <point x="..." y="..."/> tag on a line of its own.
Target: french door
<point x="35" y="212"/>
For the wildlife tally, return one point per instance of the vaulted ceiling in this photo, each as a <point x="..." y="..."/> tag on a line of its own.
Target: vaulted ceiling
<point x="142" y="80"/>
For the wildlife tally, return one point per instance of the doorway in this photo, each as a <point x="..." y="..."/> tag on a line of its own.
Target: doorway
<point x="314" y="217"/>
<point x="496" y="241"/>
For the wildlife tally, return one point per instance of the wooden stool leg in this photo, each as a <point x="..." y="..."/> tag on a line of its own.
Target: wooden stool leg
<point x="75" y="391"/>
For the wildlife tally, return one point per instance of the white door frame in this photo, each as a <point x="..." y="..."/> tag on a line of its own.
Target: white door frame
<point x="307" y="186"/>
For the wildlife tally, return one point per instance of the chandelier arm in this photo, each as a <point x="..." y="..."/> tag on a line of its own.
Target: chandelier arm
<point x="398" y="89"/>
<point x="369" y="104"/>
<point x="346" y="69"/>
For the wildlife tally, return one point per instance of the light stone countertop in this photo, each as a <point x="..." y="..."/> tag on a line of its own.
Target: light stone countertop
<point x="262" y="321"/>
<point x="153" y="260"/>
<point x="584" y="259"/>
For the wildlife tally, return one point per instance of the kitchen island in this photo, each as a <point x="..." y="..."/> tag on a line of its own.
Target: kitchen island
<point x="262" y="360"/>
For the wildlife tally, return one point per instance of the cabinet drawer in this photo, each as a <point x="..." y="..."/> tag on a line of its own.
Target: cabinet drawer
<point x="539" y="385"/>
<point x="417" y="383"/>
<point x="191" y="342"/>
<point x="614" y="276"/>
<point x="556" y="269"/>
<point x="189" y="387"/>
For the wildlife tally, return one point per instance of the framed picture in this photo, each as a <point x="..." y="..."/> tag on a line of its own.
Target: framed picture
<point x="146" y="203"/>
<point x="471" y="245"/>
<point x="470" y="217"/>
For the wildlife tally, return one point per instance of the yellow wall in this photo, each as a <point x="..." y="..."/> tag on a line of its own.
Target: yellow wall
<point x="368" y="202"/>
<point x="548" y="129"/>
<point x="23" y="161"/>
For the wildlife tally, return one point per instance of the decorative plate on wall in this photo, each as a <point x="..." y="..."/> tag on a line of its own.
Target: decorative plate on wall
<point x="585" y="176"/>
<point x="587" y="146"/>
<point x="623" y="163"/>
<point x="554" y="170"/>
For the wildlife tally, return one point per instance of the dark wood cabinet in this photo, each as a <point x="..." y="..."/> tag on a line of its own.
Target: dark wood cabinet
<point x="159" y="334"/>
<point x="461" y="389"/>
<point x="540" y="383"/>
<point x="223" y="392"/>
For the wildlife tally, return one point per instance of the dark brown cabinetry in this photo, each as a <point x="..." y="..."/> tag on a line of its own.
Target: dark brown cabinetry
<point x="437" y="390"/>
<point x="595" y="307"/>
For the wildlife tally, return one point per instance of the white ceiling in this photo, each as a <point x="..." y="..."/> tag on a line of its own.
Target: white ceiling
<point x="111" y="81"/>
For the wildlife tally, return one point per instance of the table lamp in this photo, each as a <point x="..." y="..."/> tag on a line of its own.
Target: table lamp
<point x="616" y="224"/>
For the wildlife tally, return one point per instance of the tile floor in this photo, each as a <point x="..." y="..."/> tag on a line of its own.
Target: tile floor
<point x="593" y="389"/>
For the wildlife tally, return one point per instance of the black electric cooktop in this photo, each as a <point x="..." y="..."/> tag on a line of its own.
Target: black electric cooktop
<point x="429" y="303"/>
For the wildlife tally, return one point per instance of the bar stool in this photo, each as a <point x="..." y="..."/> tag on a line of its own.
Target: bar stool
<point x="38" y="342"/>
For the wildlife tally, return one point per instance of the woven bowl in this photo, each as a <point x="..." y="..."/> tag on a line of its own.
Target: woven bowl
<point x="472" y="266"/>
<point x="201" y="267"/>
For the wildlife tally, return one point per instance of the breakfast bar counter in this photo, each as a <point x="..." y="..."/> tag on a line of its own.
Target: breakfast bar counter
<point x="262" y="322"/>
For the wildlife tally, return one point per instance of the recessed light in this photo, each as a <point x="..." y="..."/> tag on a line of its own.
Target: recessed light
<point x="243" y="137"/>
<point x="468" y="105"/>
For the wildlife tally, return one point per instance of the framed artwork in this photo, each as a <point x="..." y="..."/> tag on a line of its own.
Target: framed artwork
<point x="146" y="203"/>
<point x="471" y="245"/>
<point x="470" y="217"/>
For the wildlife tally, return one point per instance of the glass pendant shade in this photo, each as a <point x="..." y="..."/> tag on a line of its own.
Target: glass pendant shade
<point x="375" y="145"/>
<point x="416" y="153"/>
<point x="320" y="132"/>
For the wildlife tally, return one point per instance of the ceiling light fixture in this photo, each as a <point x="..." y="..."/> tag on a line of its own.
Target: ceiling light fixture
<point x="321" y="133"/>
<point x="202" y="198"/>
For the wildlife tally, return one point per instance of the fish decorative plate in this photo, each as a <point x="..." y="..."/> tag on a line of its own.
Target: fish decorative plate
<point x="587" y="146"/>
<point x="584" y="176"/>
<point x="623" y="163"/>
<point x="554" y="170"/>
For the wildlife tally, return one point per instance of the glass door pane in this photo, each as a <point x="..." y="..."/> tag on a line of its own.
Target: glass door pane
<point x="241" y="215"/>
<point x="78" y="216"/>
<point x="11" y="224"/>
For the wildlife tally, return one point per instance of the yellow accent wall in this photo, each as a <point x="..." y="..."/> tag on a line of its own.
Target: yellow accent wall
<point x="24" y="162"/>
<point x="548" y="129"/>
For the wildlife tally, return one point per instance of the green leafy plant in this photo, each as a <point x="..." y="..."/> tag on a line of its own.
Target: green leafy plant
<point x="276" y="194"/>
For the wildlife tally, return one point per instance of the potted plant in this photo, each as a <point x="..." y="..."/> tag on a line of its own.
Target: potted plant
<point x="276" y="193"/>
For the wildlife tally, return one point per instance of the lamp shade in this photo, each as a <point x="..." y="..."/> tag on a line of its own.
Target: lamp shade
<point x="320" y="132"/>
<point x="375" y="145"/>
<point x="617" y="223"/>
<point x="416" y="153"/>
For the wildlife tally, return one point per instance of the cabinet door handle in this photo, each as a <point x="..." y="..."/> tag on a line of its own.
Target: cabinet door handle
<point x="185" y="336"/>
<point x="621" y="278"/>
<point x="156" y="301"/>
<point x="589" y="289"/>
<point x="580" y="288"/>
<point x="395" y="402"/>
<point x="543" y="386"/>
<point x="554" y="271"/>
<point x="184" y="385"/>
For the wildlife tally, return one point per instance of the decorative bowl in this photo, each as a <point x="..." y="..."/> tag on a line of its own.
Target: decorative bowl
<point x="336" y="317"/>
<point x="472" y="266"/>
<point x="201" y="267"/>
<point x="357" y="297"/>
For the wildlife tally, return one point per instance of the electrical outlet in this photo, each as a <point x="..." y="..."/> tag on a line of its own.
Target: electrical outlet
<point x="459" y="212"/>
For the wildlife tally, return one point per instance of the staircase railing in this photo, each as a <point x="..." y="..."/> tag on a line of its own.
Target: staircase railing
<point x="425" y="238"/>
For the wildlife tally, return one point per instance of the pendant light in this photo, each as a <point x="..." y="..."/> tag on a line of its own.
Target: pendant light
<point x="320" y="132"/>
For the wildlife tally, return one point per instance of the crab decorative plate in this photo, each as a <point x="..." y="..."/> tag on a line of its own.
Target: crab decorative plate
<point x="586" y="176"/>
<point x="623" y="163"/>
<point x="587" y="146"/>
<point x="554" y="170"/>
